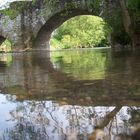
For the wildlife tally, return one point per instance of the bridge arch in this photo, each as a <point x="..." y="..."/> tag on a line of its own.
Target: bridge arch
<point x="4" y="36"/>
<point x="44" y="34"/>
<point x="5" y="44"/>
<point x="32" y="20"/>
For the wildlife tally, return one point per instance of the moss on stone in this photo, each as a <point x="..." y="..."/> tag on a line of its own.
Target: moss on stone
<point x="17" y="7"/>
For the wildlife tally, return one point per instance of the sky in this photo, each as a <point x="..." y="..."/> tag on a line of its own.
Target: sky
<point x="5" y="3"/>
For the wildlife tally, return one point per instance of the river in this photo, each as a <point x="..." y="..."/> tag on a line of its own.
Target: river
<point x="70" y="95"/>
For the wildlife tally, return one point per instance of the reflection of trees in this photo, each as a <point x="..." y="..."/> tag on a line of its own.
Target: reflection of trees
<point x="35" y="78"/>
<point x="81" y="64"/>
<point x="47" y="120"/>
<point x="135" y="121"/>
<point x="5" y="59"/>
<point x="119" y="125"/>
<point x="109" y="117"/>
<point x="28" y="118"/>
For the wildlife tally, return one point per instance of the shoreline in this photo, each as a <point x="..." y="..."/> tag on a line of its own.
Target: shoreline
<point x="81" y="49"/>
<point x="53" y="50"/>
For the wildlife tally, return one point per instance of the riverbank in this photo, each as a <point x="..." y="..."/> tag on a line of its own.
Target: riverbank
<point x="52" y="50"/>
<point x="95" y="48"/>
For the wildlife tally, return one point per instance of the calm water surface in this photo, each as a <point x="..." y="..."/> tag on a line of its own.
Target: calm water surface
<point x="70" y="95"/>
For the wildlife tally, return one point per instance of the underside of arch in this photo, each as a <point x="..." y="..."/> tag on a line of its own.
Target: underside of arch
<point x="2" y="39"/>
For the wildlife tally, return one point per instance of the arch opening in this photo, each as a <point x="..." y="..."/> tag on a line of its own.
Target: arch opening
<point x="45" y="34"/>
<point x="84" y="31"/>
<point x="5" y="44"/>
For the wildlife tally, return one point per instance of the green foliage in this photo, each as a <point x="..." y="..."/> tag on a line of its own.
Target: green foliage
<point x="55" y="43"/>
<point x="82" y="31"/>
<point x="115" y="20"/>
<point x="17" y="7"/>
<point x="6" y="59"/>
<point x="83" y="64"/>
<point x="5" y="46"/>
<point x="34" y="2"/>
<point x="134" y="11"/>
<point x="134" y="5"/>
<point x="96" y="4"/>
<point x="11" y="13"/>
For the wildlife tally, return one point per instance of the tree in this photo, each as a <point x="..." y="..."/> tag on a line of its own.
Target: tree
<point x="82" y="31"/>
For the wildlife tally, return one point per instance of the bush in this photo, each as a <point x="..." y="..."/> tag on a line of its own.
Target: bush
<point x="81" y="31"/>
<point x="5" y="46"/>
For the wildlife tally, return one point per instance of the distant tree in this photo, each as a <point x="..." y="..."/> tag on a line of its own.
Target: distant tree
<point x="81" y="31"/>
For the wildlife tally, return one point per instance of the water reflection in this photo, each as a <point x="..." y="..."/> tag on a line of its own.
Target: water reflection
<point x="82" y="65"/>
<point x="5" y="59"/>
<point x="57" y="99"/>
<point x="50" y="120"/>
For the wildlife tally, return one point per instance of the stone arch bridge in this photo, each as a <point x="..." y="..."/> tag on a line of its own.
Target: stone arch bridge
<point x="34" y="21"/>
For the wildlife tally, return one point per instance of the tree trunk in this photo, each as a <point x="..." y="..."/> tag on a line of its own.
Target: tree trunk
<point x="126" y="16"/>
<point x="128" y="25"/>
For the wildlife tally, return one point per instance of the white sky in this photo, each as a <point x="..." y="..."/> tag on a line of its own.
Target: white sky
<point x="4" y="3"/>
